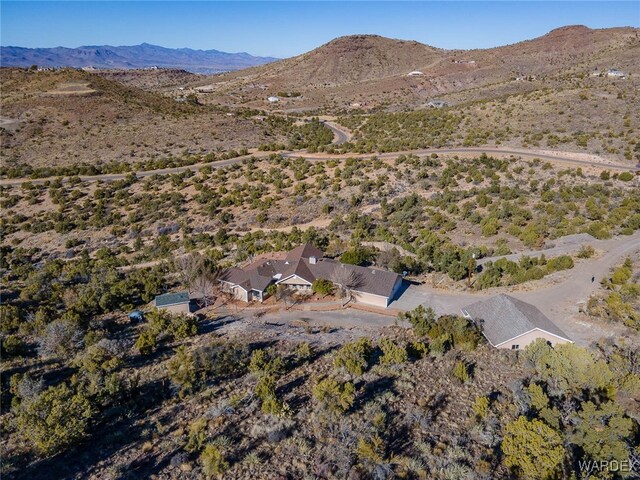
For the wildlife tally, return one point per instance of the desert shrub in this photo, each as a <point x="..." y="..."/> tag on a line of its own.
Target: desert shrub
<point x="265" y="391"/>
<point x="533" y="448"/>
<point x="480" y="408"/>
<point x="197" y="435"/>
<point x="322" y="286"/>
<point x="563" y="262"/>
<point x="336" y="397"/>
<point x="10" y="318"/>
<point x="213" y="461"/>
<point x="182" y="326"/>
<point x="417" y="349"/>
<point x="147" y="342"/>
<point x="625" y="176"/>
<point x="371" y="450"/>
<point x="392" y="353"/>
<point x="354" y="357"/>
<point x="461" y="372"/>
<point x="61" y="338"/>
<point x="602" y="432"/>
<point x="586" y="251"/>
<point x="56" y="419"/>
<point x="356" y="256"/>
<point x="304" y="351"/>
<point x="420" y="319"/>
<point x="569" y="368"/>
<point x="13" y="346"/>
<point x="266" y="362"/>
<point x="191" y="370"/>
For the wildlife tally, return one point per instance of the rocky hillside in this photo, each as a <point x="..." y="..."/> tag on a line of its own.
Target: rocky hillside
<point x="367" y="70"/>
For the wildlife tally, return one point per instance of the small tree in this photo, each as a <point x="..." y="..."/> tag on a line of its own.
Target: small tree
<point x="354" y="357"/>
<point x="393" y="354"/>
<point x="334" y="396"/>
<point x="322" y="286"/>
<point x="55" y="419"/>
<point x="213" y="461"/>
<point x="533" y="448"/>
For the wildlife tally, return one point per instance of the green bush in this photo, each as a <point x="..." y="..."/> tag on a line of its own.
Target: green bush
<point x="563" y="262"/>
<point x="533" y="448"/>
<point x="625" y="176"/>
<point x="461" y="372"/>
<point x="322" y="286"/>
<point x="13" y="346"/>
<point x="213" y="462"/>
<point x="147" y="342"/>
<point x="392" y="354"/>
<point x="55" y="420"/>
<point x="333" y="395"/>
<point x="354" y="357"/>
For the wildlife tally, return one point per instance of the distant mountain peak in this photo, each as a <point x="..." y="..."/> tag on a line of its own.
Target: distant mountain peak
<point x="130" y="57"/>
<point x="569" y="29"/>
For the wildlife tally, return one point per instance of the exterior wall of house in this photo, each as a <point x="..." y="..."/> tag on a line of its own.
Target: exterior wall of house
<point x="240" y="294"/>
<point x="296" y="282"/>
<point x="177" y="309"/>
<point x="523" y="340"/>
<point x="370" y="299"/>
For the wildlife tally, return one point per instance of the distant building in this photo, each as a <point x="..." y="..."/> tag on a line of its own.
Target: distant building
<point x="174" y="302"/>
<point x="616" y="73"/>
<point x="300" y="268"/>
<point x="415" y="73"/>
<point x="273" y="99"/>
<point x="510" y="323"/>
<point x="437" y="104"/>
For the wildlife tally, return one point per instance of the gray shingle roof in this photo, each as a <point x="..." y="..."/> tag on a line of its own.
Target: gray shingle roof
<point x="503" y="318"/>
<point x="259" y="276"/>
<point x="172" y="299"/>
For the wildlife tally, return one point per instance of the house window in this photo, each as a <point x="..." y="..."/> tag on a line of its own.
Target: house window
<point x="515" y="347"/>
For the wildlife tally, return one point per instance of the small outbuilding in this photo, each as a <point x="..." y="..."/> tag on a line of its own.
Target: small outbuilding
<point x="510" y="323"/>
<point x="415" y="73"/>
<point x="178" y="302"/>
<point x="273" y="99"/>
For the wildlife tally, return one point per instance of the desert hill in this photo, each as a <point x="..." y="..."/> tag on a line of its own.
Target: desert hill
<point x="135" y="56"/>
<point x="372" y="70"/>
<point x="70" y="117"/>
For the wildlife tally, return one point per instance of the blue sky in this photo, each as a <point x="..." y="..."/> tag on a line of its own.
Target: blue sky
<point x="284" y="29"/>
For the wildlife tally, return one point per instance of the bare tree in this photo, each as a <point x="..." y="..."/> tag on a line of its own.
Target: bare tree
<point x="205" y="283"/>
<point x="189" y="267"/>
<point x="285" y="294"/>
<point x="346" y="279"/>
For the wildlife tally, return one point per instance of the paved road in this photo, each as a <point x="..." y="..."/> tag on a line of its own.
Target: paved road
<point x="340" y="137"/>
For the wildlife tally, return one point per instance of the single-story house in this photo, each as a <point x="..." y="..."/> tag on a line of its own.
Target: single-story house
<point x="507" y="322"/>
<point x="415" y="73"/>
<point x="304" y="264"/>
<point x="616" y="73"/>
<point x="174" y="302"/>
<point x="273" y="99"/>
<point x="437" y="104"/>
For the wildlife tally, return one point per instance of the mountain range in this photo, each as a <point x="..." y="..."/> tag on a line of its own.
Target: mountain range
<point x="130" y="57"/>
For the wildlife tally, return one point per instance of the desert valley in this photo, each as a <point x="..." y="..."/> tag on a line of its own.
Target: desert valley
<point x="378" y="259"/>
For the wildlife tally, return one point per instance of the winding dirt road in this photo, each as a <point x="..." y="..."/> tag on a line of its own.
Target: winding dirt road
<point x="342" y="136"/>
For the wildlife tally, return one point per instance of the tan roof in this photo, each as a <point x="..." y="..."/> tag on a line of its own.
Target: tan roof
<point x="305" y="250"/>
